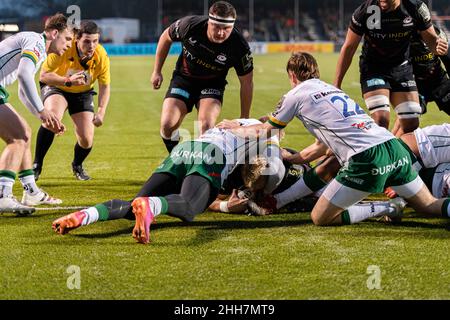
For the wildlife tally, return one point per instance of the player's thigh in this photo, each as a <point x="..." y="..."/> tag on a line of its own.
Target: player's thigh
<point x="12" y="125"/>
<point x="56" y="103"/>
<point x="84" y="127"/>
<point x="173" y="112"/>
<point x="209" y="110"/>
<point x="335" y="199"/>
<point x="423" y="201"/>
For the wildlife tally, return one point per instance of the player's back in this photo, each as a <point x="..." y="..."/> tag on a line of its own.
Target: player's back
<point x="336" y="119"/>
<point x="13" y="48"/>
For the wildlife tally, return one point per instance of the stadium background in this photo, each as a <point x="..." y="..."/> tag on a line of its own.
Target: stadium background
<point x="219" y="256"/>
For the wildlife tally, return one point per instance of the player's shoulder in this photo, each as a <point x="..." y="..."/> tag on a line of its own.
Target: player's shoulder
<point x="101" y="52"/>
<point x="238" y="38"/>
<point x="415" y="7"/>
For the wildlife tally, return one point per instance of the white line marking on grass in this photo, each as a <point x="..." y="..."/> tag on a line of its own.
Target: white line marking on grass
<point x="60" y="208"/>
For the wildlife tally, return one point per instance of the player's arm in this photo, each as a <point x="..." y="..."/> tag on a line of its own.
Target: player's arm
<point x="104" y="94"/>
<point x="29" y="96"/>
<point x="246" y="94"/>
<point x="435" y="43"/>
<point x="104" y="91"/>
<point x="162" y="51"/>
<point x="234" y="203"/>
<point x="309" y="154"/>
<point x="346" y="56"/>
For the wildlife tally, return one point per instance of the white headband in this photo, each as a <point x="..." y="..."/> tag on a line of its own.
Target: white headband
<point x="229" y="22"/>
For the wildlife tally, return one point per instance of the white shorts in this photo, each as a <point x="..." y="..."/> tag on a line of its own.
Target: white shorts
<point x="434" y="144"/>
<point x="342" y="196"/>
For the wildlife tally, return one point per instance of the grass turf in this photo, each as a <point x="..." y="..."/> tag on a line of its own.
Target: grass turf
<point x="219" y="256"/>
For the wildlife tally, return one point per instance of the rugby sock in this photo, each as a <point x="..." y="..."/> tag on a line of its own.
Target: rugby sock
<point x="171" y="142"/>
<point x="7" y="179"/>
<point x="44" y="141"/>
<point x="308" y="184"/>
<point x="363" y="211"/>
<point x="94" y="214"/>
<point x="26" y="177"/>
<point x="446" y="208"/>
<point x="80" y="154"/>
<point x="158" y="205"/>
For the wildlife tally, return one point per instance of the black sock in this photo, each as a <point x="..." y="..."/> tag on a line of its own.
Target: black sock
<point x="119" y="209"/>
<point x="44" y="141"/>
<point x="170" y="144"/>
<point x="80" y="154"/>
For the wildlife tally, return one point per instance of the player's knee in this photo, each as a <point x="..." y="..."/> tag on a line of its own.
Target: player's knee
<point x="205" y="124"/>
<point x="20" y="138"/>
<point x="86" y="142"/>
<point x="409" y="112"/>
<point x="319" y="219"/>
<point x="378" y="103"/>
<point x="167" y="130"/>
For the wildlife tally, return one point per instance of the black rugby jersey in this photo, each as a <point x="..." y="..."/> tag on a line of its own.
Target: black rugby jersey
<point x="386" y="41"/>
<point x="202" y="59"/>
<point x="426" y="64"/>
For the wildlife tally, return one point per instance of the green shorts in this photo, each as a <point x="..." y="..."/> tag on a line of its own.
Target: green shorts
<point x="387" y="164"/>
<point x="3" y="95"/>
<point x="194" y="157"/>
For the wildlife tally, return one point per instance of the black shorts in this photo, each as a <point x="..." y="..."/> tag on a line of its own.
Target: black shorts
<point x="191" y="91"/>
<point x="77" y="102"/>
<point x="395" y="79"/>
<point x="435" y="88"/>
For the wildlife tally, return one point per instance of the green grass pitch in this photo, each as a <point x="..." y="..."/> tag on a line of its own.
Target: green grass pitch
<point x="219" y="256"/>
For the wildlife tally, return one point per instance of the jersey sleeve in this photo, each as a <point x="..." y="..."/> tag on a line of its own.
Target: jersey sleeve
<point x="357" y="22"/>
<point x="423" y="16"/>
<point x="244" y="62"/>
<point x="286" y="111"/>
<point x="33" y="49"/>
<point x="104" y="76"/>
<point x="180" y="28"/>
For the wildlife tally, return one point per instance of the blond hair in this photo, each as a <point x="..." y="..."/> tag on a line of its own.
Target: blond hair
<point x="253" y="171"/>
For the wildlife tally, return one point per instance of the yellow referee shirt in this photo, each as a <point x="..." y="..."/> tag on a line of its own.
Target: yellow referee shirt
<point x="69" y="64"/>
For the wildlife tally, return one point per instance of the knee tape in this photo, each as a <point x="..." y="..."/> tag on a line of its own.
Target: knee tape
<point x="378" y="103"/>
<point x="408" y="110"/>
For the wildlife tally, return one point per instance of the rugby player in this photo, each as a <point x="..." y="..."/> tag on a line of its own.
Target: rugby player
<point x="386" y="71"/>
<point x="187" y="182"/>
<point x="432" y="78"/>
<point x="21" y="56"/>
<point x="372" y="158"/>
<point x="67" y="83"/>
<point x="211" y="46"/>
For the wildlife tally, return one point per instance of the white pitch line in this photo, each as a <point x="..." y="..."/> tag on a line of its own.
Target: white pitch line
<point x="60" y="208"/>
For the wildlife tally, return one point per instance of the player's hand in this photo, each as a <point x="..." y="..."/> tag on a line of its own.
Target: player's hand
<point x="236" y="204"/>
<point x="228" y="124"/>
<point x="78" y="79"/>
<point x="98" y="119"/>
<point x="51" y="122"/>
<point x="441" y="46"/>
<point x="264" y="119"/>
<point x="157" y="80"/>
<point x="390" y="193"/>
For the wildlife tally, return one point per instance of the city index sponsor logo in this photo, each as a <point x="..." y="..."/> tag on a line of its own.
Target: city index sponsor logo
<point x="207" y="65"/>
<point x="390" y="167"/>
<point x="425" y="57"/>
<point x="396" y="35"/>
